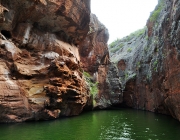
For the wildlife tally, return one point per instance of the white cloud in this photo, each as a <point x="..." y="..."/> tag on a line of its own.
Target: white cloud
<point x="122" y="17"/>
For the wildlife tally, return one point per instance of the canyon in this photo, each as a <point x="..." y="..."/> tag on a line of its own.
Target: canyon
<point x="55" y="61"/>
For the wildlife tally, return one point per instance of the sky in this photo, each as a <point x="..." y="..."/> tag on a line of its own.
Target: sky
<point x="122" y="17"/>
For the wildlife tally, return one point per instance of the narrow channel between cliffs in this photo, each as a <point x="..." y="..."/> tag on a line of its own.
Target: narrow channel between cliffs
<point x="55" y="61"/>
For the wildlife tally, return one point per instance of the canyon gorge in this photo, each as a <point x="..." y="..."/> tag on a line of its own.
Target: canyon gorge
<point x="55" y="61"/>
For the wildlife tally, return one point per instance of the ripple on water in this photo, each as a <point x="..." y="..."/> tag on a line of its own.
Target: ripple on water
<point x="101" y="125"/>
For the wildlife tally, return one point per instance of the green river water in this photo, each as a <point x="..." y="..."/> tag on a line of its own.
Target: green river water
<point x="124" y="124"/>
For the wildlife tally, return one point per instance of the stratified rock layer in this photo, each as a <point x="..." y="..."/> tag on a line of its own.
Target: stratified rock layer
<point x="40" y="75"/>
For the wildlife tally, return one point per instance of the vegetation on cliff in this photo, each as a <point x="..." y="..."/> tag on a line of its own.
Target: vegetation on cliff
<point x="148" y="65"/>
<point x="93" y="86"/>
<point x="119" y="43"/>
<point x="154" y="15"/>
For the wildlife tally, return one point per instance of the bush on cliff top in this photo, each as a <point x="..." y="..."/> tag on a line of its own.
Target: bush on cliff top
<point x="137" y="33"/>
<point x="114" y="47"/>
<point x="113" y="50"/>
<point x="154" y="15"/>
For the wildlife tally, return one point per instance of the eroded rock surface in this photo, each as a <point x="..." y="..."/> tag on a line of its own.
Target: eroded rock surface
<point x="40" y="75"/>
<point x="46" y="45"/>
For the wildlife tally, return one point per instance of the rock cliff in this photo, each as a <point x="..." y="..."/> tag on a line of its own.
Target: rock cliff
<point x="95" y="60"/>
<point x="148" y="62"/>
<point x="54" y="60"/>
<point x="40" y="74"/>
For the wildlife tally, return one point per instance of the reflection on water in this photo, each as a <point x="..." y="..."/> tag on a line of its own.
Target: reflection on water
<point x="117" y="129"/>
<point x="100" y="125"/>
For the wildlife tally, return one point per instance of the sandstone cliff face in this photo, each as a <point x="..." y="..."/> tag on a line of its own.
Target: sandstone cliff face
<point x="46" y="45"/>
<point x="95" y="60"/>
<point x="148" y="62"/>
<point x="40" y="75"/>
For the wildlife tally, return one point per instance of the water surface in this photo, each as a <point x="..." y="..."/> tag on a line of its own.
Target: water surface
<point x="121" y="124"/>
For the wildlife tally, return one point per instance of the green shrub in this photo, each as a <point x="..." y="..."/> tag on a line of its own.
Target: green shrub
<point x="113" y="44"/>
<point x="148" y="76"/>
<point x="113" y="50"/>
<point x="86" y="75"/>
<point x="155" y="65"/>
<point x="114" y="47"/>
<point x="129" y="50"/>
<point x="138" y="65"/>
<point x="126" y="76"/>
<point x="145" y="49"/>
<point x="93" y="86"/>
<point x="120" y="45"/>
<point x="136" y="33"/>
<point x="154" y="15"/>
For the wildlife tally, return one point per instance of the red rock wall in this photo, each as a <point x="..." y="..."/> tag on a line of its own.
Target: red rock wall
<point x="40" y="74"/>
<point x="95" y="60"/>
